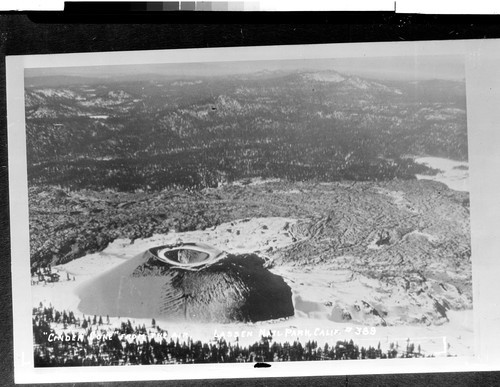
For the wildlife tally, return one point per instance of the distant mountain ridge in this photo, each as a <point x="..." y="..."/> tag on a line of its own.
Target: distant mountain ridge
<point x="328" y="75"/>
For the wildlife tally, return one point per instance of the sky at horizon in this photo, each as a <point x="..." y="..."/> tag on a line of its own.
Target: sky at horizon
<point x="444" y="67"/>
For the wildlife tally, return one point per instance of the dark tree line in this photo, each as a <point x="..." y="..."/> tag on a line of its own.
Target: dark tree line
<point x="131" y="345"/>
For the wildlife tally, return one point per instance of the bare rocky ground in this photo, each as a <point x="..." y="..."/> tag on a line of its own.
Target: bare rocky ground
<point x="378" y="253"/>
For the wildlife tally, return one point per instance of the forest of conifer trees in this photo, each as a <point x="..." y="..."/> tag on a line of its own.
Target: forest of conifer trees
<point x="134" y="345"/>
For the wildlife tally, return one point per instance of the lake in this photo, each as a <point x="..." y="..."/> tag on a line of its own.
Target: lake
<point x="455" y="174"/>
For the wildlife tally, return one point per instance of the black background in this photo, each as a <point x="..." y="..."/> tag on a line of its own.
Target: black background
<point x="111" y="27"/>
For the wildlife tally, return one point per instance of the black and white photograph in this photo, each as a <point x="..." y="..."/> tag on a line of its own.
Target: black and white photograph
<point x="292" y="206"/>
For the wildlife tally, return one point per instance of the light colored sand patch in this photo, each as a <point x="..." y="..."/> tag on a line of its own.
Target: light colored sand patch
<point x="61" y="295"/>
<point x="429" y="237"/>
<point x="317" y="293"/>
<point x="240" y="236"/>
<point x="455" y="174"/>
<point x="373" y="245"/>
<point x="97" y="263"/>
<point x="324" y="294"/>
